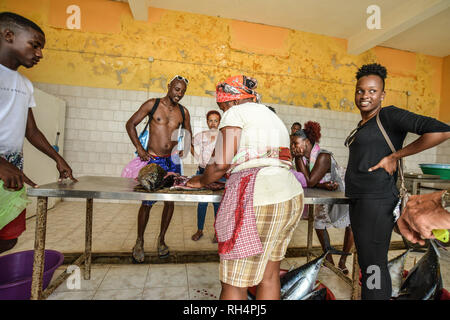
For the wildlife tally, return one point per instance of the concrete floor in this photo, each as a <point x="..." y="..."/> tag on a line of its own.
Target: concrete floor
<point x="114" y="230"/>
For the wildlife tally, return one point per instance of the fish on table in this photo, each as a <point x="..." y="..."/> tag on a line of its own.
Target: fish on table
<point x="180" y="184"/>
<point x="153" y="177"/>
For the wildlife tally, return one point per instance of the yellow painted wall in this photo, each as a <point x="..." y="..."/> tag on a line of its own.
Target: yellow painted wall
<point x="444" y="113"/>
<point x="293" y="67"/>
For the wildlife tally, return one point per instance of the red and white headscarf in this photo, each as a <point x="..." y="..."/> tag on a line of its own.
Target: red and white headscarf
<point x="237" y="88"/>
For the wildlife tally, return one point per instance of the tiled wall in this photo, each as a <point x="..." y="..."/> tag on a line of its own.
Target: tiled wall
<point x="443" y="152"/>
<point x="96" y="142"/>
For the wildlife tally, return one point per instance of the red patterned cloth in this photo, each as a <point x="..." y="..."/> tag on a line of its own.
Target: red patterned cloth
<point x="15" y="228"/>
<point x="235" y="88"/>
<point x="235" y="223"/>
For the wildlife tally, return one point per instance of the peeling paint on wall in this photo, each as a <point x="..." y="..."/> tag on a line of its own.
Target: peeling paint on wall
<point x="302" y="68"/>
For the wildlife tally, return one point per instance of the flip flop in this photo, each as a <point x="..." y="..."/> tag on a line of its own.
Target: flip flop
<point x="196" y="236"/>
<point x="344" y="270"/>
<point x="138" y="254"/>
<point x="163" y="250"/>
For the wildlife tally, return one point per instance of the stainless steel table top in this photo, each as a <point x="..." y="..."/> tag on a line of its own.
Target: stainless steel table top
<point x="427" y="180"/>
<point x="96" y="187"/>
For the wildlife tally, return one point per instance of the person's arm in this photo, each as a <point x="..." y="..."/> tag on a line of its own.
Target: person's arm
<point x="187" y="126"/>
<point x="431" y="131"/>
<point x="226" y="148"/>
<point x="38" y="140"/>
<point x="12" y="177"/>
<point x="424" y="142"/>
<point x="132" y="123"/>
<point x="196" y="143"/>
<point x="321" y="167"/>
<point x="423" y="214"/>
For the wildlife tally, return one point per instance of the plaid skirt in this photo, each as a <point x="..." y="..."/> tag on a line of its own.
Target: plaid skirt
<point x="275" y="225"/>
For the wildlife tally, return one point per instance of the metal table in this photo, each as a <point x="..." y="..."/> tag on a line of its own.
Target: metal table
<point x="95" y="187"/>
<point x="417" y="181"/>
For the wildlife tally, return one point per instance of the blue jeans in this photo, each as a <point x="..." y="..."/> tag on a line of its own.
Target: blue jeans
<point x="202" y="206"/>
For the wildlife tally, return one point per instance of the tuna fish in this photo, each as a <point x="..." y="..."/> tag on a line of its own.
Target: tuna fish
<point x="299" y="282"/>
<point x="424" y="281"/>
<point x="153" y="177"/>
<point x="396" y="267"/>
<point x="320" y="294"/>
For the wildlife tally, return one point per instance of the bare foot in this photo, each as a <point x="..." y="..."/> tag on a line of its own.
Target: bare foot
<point x="330" y="259"/>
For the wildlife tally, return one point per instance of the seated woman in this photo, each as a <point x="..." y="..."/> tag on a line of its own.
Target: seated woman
<point x="321" y="170"/>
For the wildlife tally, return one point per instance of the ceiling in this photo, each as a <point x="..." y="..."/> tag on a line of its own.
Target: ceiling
<point x="421" y="26"/>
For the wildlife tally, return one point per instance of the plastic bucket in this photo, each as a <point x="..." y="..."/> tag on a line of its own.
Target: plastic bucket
<point x="440" y="169"/>
<point x="16" y="272"/>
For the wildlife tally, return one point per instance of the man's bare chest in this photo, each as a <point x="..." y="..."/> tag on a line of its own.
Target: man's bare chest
<point x="168" y="117"/>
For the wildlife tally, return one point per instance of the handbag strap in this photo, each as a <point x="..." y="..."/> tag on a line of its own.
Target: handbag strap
<point x="152" y="112"/>
<point x="403" y="189"/>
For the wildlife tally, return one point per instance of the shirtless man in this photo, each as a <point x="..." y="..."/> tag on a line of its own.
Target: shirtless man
<point x="166" y="119"/>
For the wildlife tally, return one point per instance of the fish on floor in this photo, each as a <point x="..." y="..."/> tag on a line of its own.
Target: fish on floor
<point x="296" y="284"/>
<point x="396" y="267"/>
<point x="320" y="294"/>
<point x="424" y="280"/>
<point x="299" y="282"/>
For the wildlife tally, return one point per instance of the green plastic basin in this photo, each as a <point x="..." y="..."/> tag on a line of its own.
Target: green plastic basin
<point x="440" y="169"/>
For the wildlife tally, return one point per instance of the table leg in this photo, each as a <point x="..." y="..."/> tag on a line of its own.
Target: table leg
<point x="39" y="248"/>
<point x="311" y="209"/>
<point x="356" y="288"/>
<point x="88" y="239"/>
<point x="415" y="189"/>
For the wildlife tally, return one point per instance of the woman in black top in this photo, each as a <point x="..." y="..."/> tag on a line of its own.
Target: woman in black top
<point x="371" y="174"/>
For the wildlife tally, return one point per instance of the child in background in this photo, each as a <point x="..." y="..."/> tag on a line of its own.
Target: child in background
<point x="204" y="143"/>
<point x="295" y="127"/>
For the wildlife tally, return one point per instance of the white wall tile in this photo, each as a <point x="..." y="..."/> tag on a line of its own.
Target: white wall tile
<point x="96" y="141"/>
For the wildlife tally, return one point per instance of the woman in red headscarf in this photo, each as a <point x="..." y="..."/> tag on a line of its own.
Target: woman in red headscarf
<point x="262" y="203"/>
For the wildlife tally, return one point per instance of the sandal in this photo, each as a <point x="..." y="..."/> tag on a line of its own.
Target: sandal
<point x="196" y="236"/>
<point x="344" y="269"/>
<point x="163" y="250"/>
<point x="138" y="254"/>
<point x="214" y="240"/>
